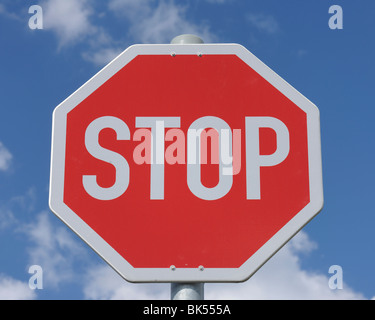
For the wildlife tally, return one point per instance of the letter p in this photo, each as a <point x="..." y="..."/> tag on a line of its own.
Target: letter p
<point x="254" y="160"/>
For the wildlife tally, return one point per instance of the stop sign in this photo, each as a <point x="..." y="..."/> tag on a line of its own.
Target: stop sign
<point x="180" y="163"/>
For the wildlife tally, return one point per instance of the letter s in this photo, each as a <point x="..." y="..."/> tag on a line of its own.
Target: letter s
<point x="119" y="162"/>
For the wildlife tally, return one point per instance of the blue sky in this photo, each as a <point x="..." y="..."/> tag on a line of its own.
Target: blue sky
<point x="332" y="68"/>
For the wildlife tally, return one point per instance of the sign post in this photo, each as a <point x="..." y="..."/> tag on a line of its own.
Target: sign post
<point x="186" y="163"/>
<point x="193" y="290"/>
<point x="187" y="291"/>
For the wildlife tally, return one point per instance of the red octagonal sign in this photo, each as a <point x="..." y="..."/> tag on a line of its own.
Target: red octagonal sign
<point x="186" y="163"/>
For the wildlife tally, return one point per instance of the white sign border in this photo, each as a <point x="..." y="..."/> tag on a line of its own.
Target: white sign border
<point x="112" y="257"/>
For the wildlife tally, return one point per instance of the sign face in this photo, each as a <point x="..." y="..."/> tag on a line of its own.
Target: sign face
<point x="180" y="163"/>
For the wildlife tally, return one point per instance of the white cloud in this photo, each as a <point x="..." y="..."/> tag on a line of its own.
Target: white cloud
<point x="12" y="289"/>
<point x="166" y="22"/>
<point x="52" y="248"/>
<point x="282" y="277"/>
<point x="7" y="218"/>
<point x="144" y="21"/>
<point x="59" y="254"/>
<point x="301" y="53"/>
<point x="157" y="24"/>
<point x="101" y="56"/>
<point x="103" y="283"/>
<point x="264" y="23"/>
<point x="5" y="158"/>
<point x="65" y="260"/>
<point x="302" y="244"/>
<point x="69" y="19"/>
<point x="132" y="9"/>
<point x="10" y="209"/>
<point x="25" y="202"/>
<point x="217" y="1"/>
<point x="11" y="15"/>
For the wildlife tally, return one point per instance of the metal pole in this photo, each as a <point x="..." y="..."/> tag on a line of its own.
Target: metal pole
<point x="186" y="39"/>
<point x="187" y="291"/>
